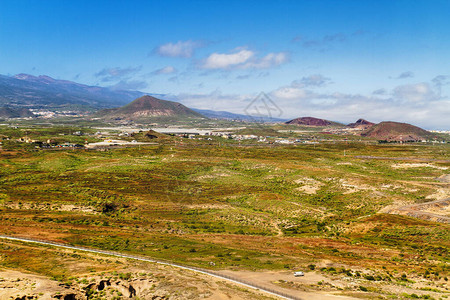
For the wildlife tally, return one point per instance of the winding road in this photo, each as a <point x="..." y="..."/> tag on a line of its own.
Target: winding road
<point x="139" y="258"/>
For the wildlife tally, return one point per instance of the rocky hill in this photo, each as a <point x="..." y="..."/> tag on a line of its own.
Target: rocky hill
<point x="147" y="109"/>
<point x="361" y="124"/>
<point x="397" y="132"/>
<point x="310" y="121"/>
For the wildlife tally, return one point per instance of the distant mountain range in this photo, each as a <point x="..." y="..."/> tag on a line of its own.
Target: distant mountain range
<point x="7" y="112"/>
<point x="225" y="115"/>
<point x="44" y="92"/>
<point x="30" y="91"/>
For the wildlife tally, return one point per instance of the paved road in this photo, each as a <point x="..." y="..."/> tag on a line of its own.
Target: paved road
<point x="194" y="269"/>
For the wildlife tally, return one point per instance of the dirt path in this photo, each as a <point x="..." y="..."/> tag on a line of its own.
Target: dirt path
<point x="277" y="228"/>
<point x="271" y="278"/>
<point x="414" y="159"/>
<point x="418" y="210"/>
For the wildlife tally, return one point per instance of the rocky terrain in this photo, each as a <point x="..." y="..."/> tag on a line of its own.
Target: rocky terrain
<point x="361" y="124"/>
<point x="310" y="121"/>
<point x="397" y="132"/>
<point x="154" y="282"/>
<point x="147" y="108"/>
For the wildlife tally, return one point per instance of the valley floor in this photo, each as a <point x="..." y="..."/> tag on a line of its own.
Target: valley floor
<point x="358" y="226"/>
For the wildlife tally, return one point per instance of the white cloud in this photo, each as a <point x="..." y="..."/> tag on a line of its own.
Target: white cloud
<point x="297" y="88"/>
<point x="268" y="61"/>
<point x="346" y="108"/>
<point x="289" y="93"/>
<point x="417" y="104"/>
<point x="165" y="70"/>
<point x="225" y="61"/>
<point x="215" y="100"/>
<point x="414" y="92"/>
<point x="243" y="59"/>
<point x="178" y="49"/>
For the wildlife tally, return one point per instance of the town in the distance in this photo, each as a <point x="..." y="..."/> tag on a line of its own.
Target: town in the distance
<point x="34" y="100"/>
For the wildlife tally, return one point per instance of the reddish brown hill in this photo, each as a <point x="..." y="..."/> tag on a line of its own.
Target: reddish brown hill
<point x="149" y="135"/>
<point x="394" y="131"/>
<point x="310" y="121"/>
<point x="147" y="107"/>
<point x="361" y="124"/>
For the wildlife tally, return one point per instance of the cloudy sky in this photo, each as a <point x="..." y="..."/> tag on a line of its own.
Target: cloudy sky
<point x="338" y="60"/>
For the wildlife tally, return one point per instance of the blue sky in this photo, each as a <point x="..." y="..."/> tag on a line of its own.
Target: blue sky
<point x="339" y="60"/>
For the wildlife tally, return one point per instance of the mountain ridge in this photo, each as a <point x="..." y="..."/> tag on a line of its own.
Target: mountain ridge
<point x="7" y="112"/>
<point x="42" y="91"/>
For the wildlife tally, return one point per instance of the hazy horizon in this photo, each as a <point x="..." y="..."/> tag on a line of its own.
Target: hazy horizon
<point x="378" y="60"/>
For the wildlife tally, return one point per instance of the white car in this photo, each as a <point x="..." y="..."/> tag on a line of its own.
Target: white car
<point x="299" y="273"/>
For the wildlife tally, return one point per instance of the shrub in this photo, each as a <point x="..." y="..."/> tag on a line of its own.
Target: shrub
<point x="369" y="277"/>
<point x="125" y="276"/>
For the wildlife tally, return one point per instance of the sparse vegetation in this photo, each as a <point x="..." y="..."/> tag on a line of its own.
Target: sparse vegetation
<point x="231" y="206"/>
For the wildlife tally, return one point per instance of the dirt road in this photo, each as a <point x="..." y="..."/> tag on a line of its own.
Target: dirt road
<point x="420" y="210"/>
